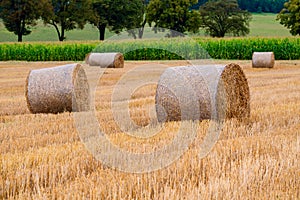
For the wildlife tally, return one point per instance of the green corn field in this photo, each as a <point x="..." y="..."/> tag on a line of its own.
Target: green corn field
<point x="163" y="49"/>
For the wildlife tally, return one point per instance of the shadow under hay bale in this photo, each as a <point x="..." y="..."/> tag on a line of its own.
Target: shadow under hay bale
<point x="58" y="89"/>
<point x="202" y="92"/>
<point x="263" y="60"/>
<point x="105" y="60"/>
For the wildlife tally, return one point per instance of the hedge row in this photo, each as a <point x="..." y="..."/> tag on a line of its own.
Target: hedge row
<point x="166" y="49"/>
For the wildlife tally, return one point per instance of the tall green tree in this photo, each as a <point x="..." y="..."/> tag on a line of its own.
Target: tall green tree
<point x="19" y="16"/>
<point x="116" y="15"/>
<point x="224" y="16"/>
<point x="66" y="15"/>
<point x="289" y="16"/>
<point x="174" y="15"/>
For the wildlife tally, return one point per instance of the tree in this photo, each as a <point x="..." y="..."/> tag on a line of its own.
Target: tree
<point x="116" y="15"/>
<point x="273" y="6"/>
<point x="67" y="14"/>
<point x="197" y="5"/>
<point x="174" y="15"/>
<point x="224" y="16"/>
<point x="289" y="16"/>
<point x="19" y="16"/>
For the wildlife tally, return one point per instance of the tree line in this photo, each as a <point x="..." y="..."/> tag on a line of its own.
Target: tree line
<point x="270" y="6"/>
<point x="216" y="17"/>
<point x="257" y="6"/>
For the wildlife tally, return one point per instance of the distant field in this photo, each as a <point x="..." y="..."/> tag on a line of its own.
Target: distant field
<point x="48" y="33"/>
<point x="266" y="25"/>
<point x="261" y="25"/>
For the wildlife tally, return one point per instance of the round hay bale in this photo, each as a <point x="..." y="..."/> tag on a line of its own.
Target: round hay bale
<point x="263" y="60"/>
<point x="202" y="92"/>
<point x="105" y="60"/>
<point x="58" y="89"/>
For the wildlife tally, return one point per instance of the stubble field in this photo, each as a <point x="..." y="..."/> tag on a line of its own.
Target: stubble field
<point x="42" y="157"/>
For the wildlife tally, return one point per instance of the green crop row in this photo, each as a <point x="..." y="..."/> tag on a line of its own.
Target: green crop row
<point x="242" y="49"/>
<point x="44" y="51"/>
<point x="163" y="49"/>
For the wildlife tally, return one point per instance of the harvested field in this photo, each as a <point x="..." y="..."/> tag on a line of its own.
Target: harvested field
<point x="42" y="157"/>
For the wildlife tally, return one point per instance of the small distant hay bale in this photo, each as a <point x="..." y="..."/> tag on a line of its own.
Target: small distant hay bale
<point x="105" y="60"/>
<point x="202" y="92"/>
<point x="58" y="89"/>
<point x="263" y="60"/>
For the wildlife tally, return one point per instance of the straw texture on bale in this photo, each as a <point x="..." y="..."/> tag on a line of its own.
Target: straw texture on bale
<point x="105" y="60"/>
<point x="58" y="89"/>
<point x="202" y="92"/>
<point x="263" y="60"/>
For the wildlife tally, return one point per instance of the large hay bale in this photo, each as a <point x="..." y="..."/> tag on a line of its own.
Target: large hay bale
<point x="263" y="60"/>
<point x="57" y="89"/>
<point x="202" y="92"/>
<point x="105" y="60"/>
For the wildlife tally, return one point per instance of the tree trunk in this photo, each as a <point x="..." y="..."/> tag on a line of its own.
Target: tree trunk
<point x="20" y="37"/>
<point x="133" y="34"/>
<point x="62" y="33"/>
<point x="57" y="30"/>
<point x="222" y="34"/>
<point x="101" y="28"/>
<point x="141" y="29"/>
<point x="21" y="30"/>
